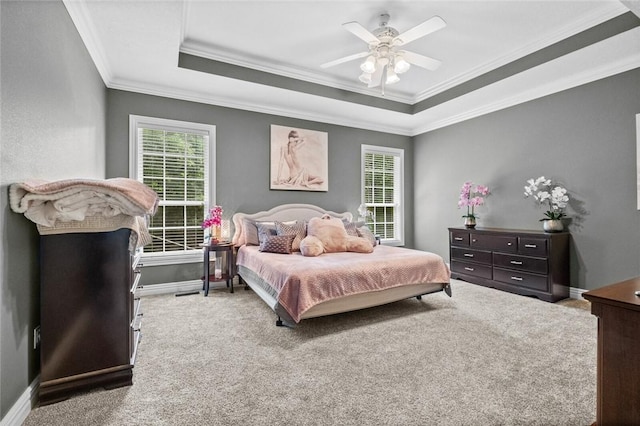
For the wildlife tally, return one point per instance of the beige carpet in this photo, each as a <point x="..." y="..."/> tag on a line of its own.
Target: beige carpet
<point x="483" y="357"/>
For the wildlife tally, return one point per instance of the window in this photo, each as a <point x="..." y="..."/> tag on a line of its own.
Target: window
<point x="176" y="159"/>
<point x="382" y="192"/>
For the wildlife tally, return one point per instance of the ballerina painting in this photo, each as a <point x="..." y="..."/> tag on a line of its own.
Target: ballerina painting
<point x="299" y="159"/>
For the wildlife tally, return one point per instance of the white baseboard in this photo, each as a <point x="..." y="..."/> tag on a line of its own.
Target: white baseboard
<point x="21" y="409"/>
<point x="576" y="293"/>
<point x="175" y="287"/>
<point x="164" y="288"/>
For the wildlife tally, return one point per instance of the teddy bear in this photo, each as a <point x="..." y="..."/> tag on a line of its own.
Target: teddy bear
<point x="327" y="234"/>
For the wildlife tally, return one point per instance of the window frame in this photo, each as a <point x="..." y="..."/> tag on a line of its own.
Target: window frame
<point x="138" y="121"/>
<point x="399" y="207"/>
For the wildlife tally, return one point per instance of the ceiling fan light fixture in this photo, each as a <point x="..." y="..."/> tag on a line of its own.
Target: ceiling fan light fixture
<point x="365" y="78"/>
<point x="384" y="59"/>
<point x="401" y="66"/>
<point x="369" y="65"/>
<point x="392" y="77"/>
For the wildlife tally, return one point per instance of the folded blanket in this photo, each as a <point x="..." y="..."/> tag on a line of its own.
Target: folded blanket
<point x="139" y="232"/>
<point x="45" y="203"/>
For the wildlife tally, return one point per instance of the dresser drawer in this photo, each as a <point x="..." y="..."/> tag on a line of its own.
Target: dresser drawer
<point x="468" y="268"/>
<point x="459" y="238"/>
<point x="471" y="255"/>
<point x="538" y="265"/>
<point x="532" y="246"/>
<point x="520" y="279"/>
<point x="506" y="244"/>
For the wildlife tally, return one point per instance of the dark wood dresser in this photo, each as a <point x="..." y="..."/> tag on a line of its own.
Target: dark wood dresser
<point x="89" y="315"/>
<point x="532" y="263"/>
<point x="618" y="312"/>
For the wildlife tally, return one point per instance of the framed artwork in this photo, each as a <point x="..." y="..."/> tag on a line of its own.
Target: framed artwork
<point x="299" y="159"/>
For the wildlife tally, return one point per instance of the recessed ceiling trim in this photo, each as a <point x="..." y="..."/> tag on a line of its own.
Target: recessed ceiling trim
<point x="608" y="11"/>
<point x="588" y="37"/>
<point x="224" y="69"/>
<point x="623" y="57"/>
<point x="228" y="102"/>
<point x="206" y="51"/>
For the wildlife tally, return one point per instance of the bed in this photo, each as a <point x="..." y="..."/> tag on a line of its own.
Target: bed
<point x="296" y="287"/>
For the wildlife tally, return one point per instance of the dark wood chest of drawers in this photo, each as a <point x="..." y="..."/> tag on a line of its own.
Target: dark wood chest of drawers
<point x="89" y="314"/>
<point x="618" y="311"/>
<point x="530" y="263"/>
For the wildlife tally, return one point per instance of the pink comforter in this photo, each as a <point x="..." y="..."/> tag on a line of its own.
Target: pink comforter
<point x="302" y="282"/>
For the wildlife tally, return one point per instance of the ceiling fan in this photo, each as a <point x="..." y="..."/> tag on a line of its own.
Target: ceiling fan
<point x="384" y="56"/>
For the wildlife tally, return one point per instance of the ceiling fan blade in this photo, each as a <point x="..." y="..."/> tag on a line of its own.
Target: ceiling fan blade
<point x="421" y="61"/>
<point x="376" y="77"/>
<point x="421" y="30"/>
<point x="345" y="59"/>
<point x="361" y="32"/>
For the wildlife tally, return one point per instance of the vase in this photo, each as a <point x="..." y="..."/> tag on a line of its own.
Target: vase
<point x="470" y="222"/>
<point x="552" y="225"/>
<point x="215" y="233"/>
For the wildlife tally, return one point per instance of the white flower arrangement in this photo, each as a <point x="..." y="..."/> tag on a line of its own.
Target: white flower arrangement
<point x="364" y="213"/>
<point x="544" y="191"/>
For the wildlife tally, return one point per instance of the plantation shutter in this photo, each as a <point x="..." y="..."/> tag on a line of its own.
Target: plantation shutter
<point x="173" y="162"/>
<point x="382" y="192"/>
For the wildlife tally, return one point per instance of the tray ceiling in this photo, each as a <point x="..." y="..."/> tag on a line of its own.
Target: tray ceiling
<point x="266" y="55"/>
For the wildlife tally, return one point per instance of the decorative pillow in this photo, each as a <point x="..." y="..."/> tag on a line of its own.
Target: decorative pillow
<point x="250" y="231"/>
<point x="311" y="246"/>
<point x="277" y="244"/>
<point x="365" y="232"/>
<point x="359" y="245"/>
<point x="351" y="229"/>
<point x="298" y="230"/>
<point x="330" y="231"/>
<point x="265" y="229"/>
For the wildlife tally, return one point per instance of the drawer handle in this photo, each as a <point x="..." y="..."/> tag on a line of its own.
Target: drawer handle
<point x="468" y="255"/>
<point x="516" y="278"/>
<point x="531" y="246"/>
<point x="466" y="268"/>
<point x="458" y="238"/>
<point x="516" y="262"/>
<point x="474" y="240"/>
<point x="509" y="243"/>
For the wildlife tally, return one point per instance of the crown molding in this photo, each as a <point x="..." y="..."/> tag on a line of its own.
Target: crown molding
<point x="86" y="28"/>
<point x="228" y="102"/>
<point x="607" y="68"/>
<point x="204" y="51"/>
<point x="608" y="11"/>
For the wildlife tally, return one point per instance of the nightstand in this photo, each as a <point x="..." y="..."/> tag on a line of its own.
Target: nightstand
<point x="227" y="271"/>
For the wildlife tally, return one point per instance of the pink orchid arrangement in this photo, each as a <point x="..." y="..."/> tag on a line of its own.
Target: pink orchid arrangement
<point x="472" y="196"/>
<point x="214" y="218"/>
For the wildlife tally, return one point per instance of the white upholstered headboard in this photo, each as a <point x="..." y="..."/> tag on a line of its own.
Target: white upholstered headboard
<point x="282" y="213"/>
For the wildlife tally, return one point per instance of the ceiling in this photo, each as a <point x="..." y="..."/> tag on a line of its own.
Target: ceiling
<point x="265" y="55"/>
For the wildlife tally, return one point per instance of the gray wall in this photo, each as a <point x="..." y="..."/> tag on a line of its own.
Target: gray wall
<point x="52" y="127"/>
<point x="242" y="174"/>
<point x="584" y="137"/>
<point x="58" y="121"/>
